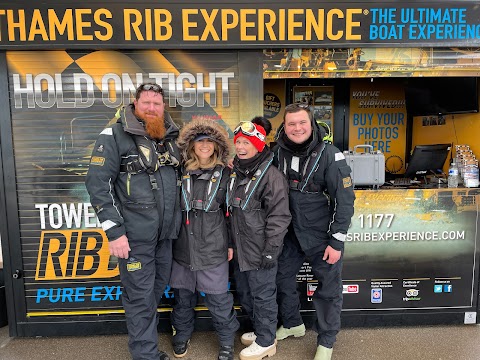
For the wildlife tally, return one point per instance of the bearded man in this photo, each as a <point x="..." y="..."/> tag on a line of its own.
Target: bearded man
<point x="133" y="185"/>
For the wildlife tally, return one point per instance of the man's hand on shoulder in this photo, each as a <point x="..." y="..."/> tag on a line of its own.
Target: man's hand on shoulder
<point x="119" y="247"/>
<point x="331" y="256"/>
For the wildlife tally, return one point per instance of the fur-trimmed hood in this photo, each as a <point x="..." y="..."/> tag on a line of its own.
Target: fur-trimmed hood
<point x="208" y="127"/>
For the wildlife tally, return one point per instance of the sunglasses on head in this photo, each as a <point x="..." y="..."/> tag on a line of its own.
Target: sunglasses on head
<point x="248" y="128"/>
<point x="151" y="87"/>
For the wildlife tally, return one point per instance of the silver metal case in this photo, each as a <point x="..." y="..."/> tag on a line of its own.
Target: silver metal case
<point x="368" y="166"/>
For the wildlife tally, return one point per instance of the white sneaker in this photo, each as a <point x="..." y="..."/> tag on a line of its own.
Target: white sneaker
<point x="257" y="352"/>
<point x="248" y="338"/>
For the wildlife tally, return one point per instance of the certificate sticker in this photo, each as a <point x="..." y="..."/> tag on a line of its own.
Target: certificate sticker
<point x="376" y="296"/>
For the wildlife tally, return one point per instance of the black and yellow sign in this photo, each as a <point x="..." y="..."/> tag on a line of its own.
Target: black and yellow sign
<point x="60" y="102"/>
<point x="87" y="248"/>
<point x="260" y="25"/>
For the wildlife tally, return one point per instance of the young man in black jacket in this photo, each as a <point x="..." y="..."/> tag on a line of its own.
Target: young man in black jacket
<point x="321" y="202"/>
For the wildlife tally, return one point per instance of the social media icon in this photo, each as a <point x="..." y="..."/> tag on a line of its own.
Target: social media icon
<point x="447" y="288"/>
<point x="412" y="292"/>
<point x="376" y="296"/>
<point x="437" y="288"/>
<point x="350" y="289"/>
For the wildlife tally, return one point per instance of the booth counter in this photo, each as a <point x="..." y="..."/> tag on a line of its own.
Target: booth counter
<point x="410" y="257"/>
<point x="409" y="252"/>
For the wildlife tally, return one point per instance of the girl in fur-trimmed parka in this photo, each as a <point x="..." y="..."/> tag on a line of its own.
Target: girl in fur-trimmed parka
<point x="201" y="252"/>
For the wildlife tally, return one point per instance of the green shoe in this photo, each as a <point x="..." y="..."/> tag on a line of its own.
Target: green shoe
<point x="323" y="353"/>
<point x="296" y="331"/>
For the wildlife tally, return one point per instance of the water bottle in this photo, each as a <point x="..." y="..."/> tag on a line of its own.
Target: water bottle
<point x="453" y="176"/>
<point x="471" y="175"/>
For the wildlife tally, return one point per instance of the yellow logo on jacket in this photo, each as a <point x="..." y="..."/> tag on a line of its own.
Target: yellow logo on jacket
<point x="97" y="160"/>
<point x="347" y="182"/>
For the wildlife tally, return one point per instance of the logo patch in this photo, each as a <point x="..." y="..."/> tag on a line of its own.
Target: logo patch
<point x="100" y="149"/>
<point x="146" y="152"/>
<point x="134" y="266"/>
<point x="97" y="160"/>
<point x="347" y="182"/>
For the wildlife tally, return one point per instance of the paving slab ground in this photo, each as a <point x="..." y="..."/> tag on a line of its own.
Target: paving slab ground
<point x="398" y="343"/>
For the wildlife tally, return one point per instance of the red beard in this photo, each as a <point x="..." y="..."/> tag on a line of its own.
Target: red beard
<point x="154" y="125"/>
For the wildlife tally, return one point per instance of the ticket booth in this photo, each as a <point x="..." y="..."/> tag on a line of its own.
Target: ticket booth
<point x="65" y="70"/>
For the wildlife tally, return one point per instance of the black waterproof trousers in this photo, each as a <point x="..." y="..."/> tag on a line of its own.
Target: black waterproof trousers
<point x="220" y="307"/>
<point x="144" y="276"/>
<point x="327" y="299"/>
<point x="257" y="292"/>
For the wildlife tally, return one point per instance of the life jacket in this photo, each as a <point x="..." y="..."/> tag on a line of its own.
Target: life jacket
<point x="151" y="156"/>
<point x="250" y="188"/>
<point x="305" y="184"/>
<point x="207" y="202"/>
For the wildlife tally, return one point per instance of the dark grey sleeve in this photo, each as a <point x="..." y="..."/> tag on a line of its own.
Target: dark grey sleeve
<point x="102" y="172"/>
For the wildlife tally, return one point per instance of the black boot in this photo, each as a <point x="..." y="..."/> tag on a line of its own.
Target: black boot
<point x="225" y="353"/>
<point x="163" y="356"/>
<point x="180" y="348"/>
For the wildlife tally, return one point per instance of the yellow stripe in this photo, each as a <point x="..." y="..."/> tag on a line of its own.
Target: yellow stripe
<point x="74" y="313"/>
<point x="101" y="312"/>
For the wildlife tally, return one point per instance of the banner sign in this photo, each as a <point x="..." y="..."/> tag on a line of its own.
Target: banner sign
<point x="408" y="249"/>
<point x="189" y="24"/>
<point x="378" y="118"/>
